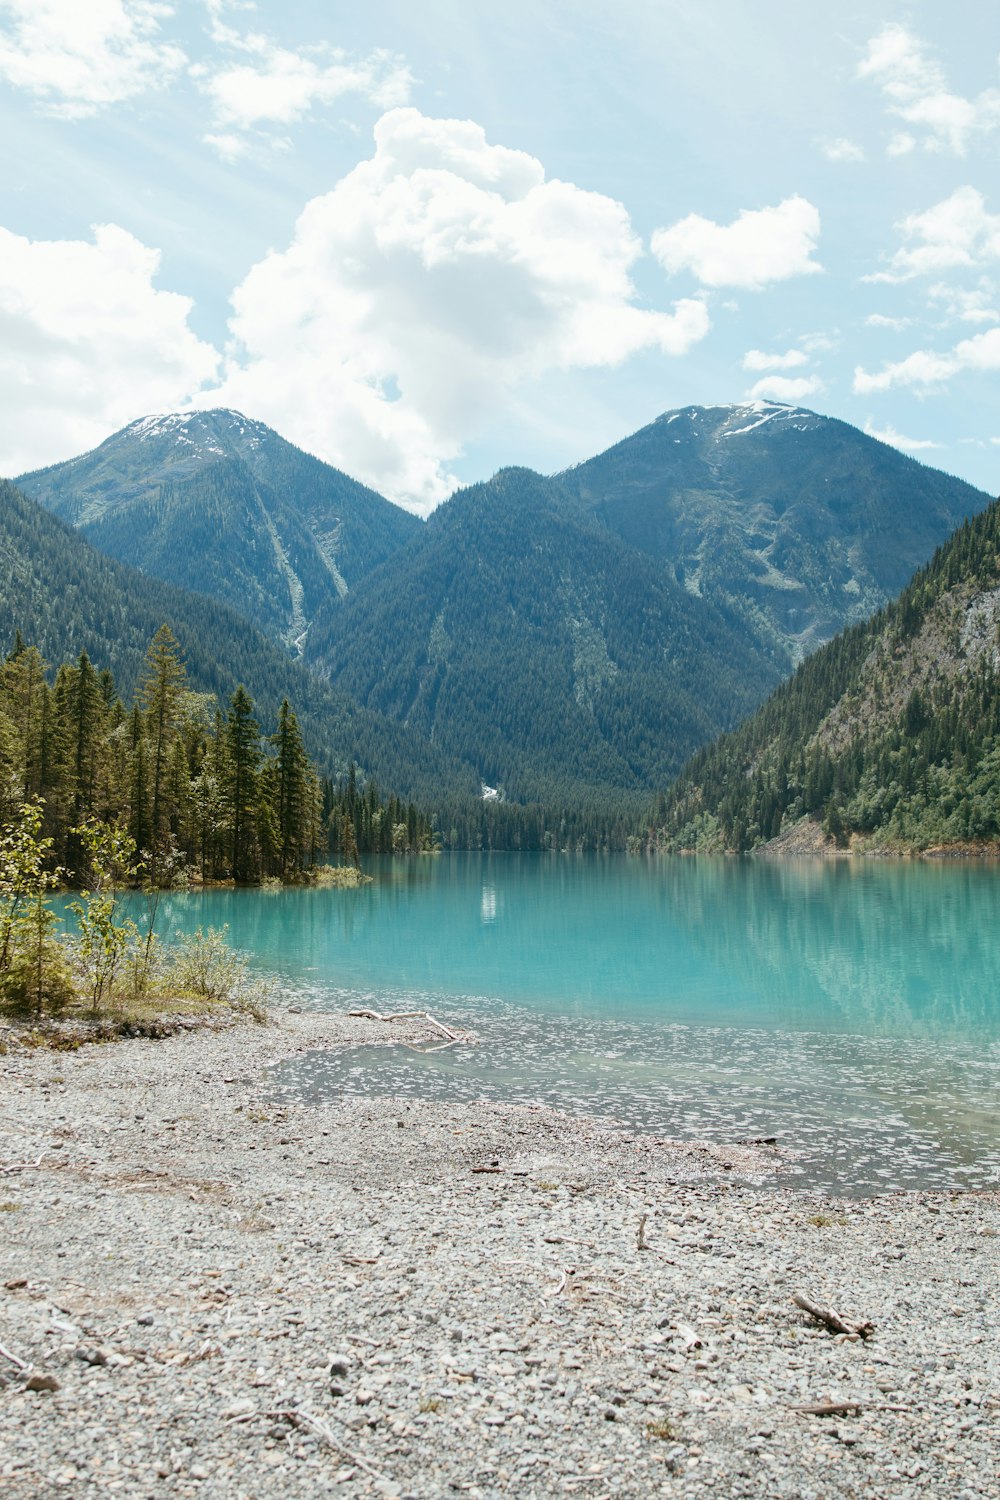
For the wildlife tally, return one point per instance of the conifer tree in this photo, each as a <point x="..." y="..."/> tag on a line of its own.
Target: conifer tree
<point x="293" y="794"/>
<point x="160" y="695"/>
<point x="242" y="785"/>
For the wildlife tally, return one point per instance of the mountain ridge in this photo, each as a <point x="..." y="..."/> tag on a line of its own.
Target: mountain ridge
<point x="887" y="738"/>
<point x="218" y="502"/>
<point x="561" y="636"/>
<point x="65" y="596"/>
<point x="802" y="537"/>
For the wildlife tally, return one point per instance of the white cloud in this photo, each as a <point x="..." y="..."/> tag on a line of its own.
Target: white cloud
<point x="230" y="146"/>
<point x="79" y="56"/>
<point x="86" y="343"/>
<point x="880" y="320"/>
<point x="284" y="86"/>
<point x="966" y="304"/>
<point x="425" y="292"/>
<point x="916" y="91"/>
<point x="901" y="144"/>
<point x="785" y="388"/>
<point x="955" y="234"/>
<point x="924" y="368"/>
<point x="842" y="149"/>
<point x="820" y="343"/>
<point x="759" y="247"/>
<point x="266" y="85"/>
<point x="897" y="440"/>
<point x="759" y="359"/>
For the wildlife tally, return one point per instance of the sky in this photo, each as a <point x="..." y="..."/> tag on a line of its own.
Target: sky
<point x="427" y="241"/>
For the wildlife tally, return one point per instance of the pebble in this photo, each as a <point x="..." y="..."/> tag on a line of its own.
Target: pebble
<point x="355" y="1312"/>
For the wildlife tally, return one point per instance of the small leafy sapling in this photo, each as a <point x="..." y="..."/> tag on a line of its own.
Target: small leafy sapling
<point x="104" y="939"/>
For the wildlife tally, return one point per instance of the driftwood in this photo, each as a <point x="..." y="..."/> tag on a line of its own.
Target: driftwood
<point x="831" y="1409"/>
<point x="25" y="1166"/>
<point x="689" y="1338"/>
<point x="847" y="1408"/>
<point x="833" y="1320"/>
<point x="640" y="1239"/>
<point x="306" y="1422"/>
<point x="14" y="1359"/>
<point x="407" y="1015"/>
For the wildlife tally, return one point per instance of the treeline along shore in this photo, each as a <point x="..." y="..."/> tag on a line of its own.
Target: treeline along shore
<point x="99" y="796"/>
<point x="198" y="789"/>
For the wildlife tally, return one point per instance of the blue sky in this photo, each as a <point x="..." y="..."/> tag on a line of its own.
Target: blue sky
<point x="425" y="241"/>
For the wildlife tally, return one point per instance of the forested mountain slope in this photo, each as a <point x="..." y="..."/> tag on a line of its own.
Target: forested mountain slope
<point x="66" y="597"/>
<point x="223" y="505"/>
<point x="556" y="638"/>
<point x="889" y="734"/>
<point x="521" y="636"/>
<point x="799" y="523"/>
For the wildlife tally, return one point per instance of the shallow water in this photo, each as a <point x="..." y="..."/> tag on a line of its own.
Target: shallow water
<point x="851" y="1009"/>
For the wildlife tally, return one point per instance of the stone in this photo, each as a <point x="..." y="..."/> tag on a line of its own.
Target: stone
<point x="88" y="1355"/>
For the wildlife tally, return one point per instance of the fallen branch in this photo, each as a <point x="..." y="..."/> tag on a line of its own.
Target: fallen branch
<point x="14" y="1359"/>
<point x="689" y="1338"/>
<point x="640" y="1240"/>
<point x="305" y="1421"/>
<point x="848" y="1408"/>
<point x="25" y="1166"/>
<point x="833" y="1320"/>
<point x="558" y="1290"/>
<point x="831" y="1409"/>
<point x="407" y="1015"/>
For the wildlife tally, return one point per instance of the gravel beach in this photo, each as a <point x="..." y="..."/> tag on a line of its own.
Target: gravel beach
<point x="205" y="1292"/>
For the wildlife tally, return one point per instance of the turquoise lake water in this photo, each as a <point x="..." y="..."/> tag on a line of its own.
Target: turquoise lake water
<point x="851" y="1009"/>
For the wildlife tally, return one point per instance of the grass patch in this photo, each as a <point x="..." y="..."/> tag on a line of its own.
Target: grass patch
<point x="663" y="1429"/>
<point x="825" y="1221"/>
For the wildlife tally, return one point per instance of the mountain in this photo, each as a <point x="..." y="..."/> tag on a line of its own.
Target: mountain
<point x="224" y="506"/>
<point x="519" y="634"/>
<point x="65" y="597"/>
<point x="560" y="637"/>
<point x="799" y="523"/>
<point x="889" y="736"/>
<point x="588" y="631"/>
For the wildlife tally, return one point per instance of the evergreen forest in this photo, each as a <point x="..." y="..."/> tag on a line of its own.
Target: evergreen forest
<point x="201" y="792"/>
<point x="889" y="735"/>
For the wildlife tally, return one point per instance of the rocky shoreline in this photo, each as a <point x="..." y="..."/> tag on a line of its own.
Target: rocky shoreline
<point x="218" y="1295"/>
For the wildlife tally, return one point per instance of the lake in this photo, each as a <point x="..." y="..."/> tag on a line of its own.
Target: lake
<point x="848" y="1008"/>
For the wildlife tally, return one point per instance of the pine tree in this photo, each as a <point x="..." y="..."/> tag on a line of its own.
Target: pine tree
<point x="293" y="794"/>
<point x="242" y="784"/>
<point x="85" y="735"/>
<point x="161" y="694"/>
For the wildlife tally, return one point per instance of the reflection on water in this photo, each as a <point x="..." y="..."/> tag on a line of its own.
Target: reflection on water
<point x="850" y="1008"/>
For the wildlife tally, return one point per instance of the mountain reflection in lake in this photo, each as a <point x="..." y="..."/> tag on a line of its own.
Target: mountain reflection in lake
<point x="849" y="1007"/>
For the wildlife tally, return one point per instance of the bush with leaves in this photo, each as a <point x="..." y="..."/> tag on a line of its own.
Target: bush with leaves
<point x="34" y="974"/>
<point x="202" y="965"/>
<point x="104" y="941"/>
